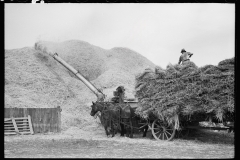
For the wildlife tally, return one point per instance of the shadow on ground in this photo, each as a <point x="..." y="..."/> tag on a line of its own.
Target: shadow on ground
<point x="209" y="136"/>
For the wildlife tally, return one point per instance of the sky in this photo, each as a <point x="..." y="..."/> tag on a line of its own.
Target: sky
<point x="158" y="31"/>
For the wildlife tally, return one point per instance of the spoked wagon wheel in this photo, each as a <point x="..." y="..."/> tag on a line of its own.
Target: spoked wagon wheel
<point x="162" y="130"/>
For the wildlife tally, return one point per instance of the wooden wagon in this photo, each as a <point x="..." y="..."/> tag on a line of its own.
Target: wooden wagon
<point x="161" y="130"/>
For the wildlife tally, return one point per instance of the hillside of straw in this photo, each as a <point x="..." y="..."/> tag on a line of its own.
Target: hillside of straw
<point x="187" y="92"/>
<point x="34" y="79"/>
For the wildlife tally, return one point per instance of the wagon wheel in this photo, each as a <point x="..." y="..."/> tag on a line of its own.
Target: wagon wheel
<point x="162" y="130"/>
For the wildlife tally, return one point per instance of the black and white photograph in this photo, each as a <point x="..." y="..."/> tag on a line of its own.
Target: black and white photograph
<point x="119" y="80"/>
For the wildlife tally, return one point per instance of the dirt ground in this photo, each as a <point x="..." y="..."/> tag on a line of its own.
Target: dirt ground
<point x="198" y="144"/>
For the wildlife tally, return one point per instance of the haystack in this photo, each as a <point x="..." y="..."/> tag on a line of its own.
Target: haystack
<point x="34" y="79"/>
<point x="187" y="92"/>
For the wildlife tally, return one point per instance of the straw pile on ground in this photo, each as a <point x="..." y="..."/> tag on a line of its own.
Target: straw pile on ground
<point x="186" y="91"/>
<point x="106" y="69"/>
<point x="34" y="79"/>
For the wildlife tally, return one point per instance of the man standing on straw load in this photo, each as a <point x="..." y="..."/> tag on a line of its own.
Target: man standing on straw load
<point x="184" y="58"/>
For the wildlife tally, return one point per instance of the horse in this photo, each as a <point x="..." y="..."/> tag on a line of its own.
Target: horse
<point x="110" y="116"/>
<point x="126" y="119"/>
<point x="129" y="121"/>
<point x="116" y="117"/>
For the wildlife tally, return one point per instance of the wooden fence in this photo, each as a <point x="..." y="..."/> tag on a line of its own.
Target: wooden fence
<point x="19" y="125"/>
<point x="43" y="119"/>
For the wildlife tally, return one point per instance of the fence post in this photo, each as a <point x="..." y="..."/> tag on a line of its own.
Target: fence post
<point x="59" y="119"/>
<point x="30" y="124"/>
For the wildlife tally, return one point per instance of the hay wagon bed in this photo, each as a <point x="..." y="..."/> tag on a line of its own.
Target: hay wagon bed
<point x="161" y="130"/>
<point x="189" y="93"/>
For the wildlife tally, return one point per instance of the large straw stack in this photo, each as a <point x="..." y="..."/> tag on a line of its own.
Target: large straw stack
<point x="183" y="91"/>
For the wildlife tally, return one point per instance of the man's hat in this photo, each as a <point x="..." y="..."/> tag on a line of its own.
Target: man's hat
<point x="183" y="50"/>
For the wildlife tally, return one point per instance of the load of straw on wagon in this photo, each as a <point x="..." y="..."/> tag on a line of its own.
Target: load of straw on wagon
<point x="183" y="93"/>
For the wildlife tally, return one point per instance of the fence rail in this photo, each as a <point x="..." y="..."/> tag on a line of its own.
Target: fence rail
<point x="43" y="119"/>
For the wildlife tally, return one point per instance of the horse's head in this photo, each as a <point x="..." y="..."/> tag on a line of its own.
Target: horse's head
<point x="95" y="108"/>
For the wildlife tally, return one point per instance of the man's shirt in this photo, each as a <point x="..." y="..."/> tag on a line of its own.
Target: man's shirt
<point x="185" y="56"/>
